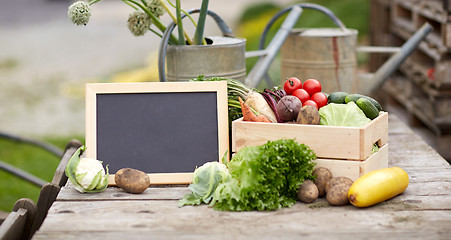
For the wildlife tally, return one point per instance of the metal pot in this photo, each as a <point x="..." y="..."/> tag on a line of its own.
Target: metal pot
<point x="326" y="54"/>
<point x="224" y="57"/>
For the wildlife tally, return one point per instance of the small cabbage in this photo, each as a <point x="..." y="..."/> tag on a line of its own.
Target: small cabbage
<point x="87" y="175"/>
<point x="205" y="180"/>
<point x="347" y="115"/>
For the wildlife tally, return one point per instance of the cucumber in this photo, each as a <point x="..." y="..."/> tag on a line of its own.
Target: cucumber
<point x="337" y="97"/>
<point x="355" y="96"/>
<point x="367" y="107"/>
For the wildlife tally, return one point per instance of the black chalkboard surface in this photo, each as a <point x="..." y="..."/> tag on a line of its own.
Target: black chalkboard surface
<point x="164" y="129"/>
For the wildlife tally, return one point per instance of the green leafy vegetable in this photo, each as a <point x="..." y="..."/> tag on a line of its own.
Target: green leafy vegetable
<point x="235" y="89"/>
<point x="87" y="175"/>
<point x="265" y="177"/>
<point x="348" y="115"/>
<point x="205" y="180"/>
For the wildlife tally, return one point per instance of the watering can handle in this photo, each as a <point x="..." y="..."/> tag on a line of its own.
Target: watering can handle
<point x="302" y="5"/>
<point x="226" y="32"/>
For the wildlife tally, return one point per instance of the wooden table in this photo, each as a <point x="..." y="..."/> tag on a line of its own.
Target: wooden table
<point x="423" y="211"/>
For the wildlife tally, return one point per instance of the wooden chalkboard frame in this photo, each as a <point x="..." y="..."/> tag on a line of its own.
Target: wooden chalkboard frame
<point x="219" y="87"/>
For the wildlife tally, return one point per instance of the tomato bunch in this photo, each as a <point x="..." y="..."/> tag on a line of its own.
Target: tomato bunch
<point x="309" y="92"/>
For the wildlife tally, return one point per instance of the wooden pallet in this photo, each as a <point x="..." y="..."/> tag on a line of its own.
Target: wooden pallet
<point x="411" y="15"/>
<point x="431" y="107"/>
<point x="379" y="32"/>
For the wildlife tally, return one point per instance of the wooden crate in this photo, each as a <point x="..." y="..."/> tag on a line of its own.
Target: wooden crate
<point x="355" y="169"/>
<point x="347" y="151"/>
<point x="351" y="143"/>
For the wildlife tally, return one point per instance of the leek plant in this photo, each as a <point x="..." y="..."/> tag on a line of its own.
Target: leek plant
<point x="146" y="17"/>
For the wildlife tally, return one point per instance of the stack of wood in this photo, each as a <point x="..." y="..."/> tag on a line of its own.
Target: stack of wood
<point x="423" y="84"/>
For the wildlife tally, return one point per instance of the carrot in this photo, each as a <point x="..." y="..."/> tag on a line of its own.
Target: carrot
<point x="248" y="115"/>
<point x="256" y="101"/>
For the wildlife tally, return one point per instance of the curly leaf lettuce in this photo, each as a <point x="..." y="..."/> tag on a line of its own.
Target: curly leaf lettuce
<point x="265" y="177"/>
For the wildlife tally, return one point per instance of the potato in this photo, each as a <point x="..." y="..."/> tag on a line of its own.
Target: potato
<point x="322" y="176"/>
<point x="337" y="180"/>
<point x="308" y="192"/>
<point x="308" y="115"/>
<point x="338" y="195"/>
<point x="132" y="180"/>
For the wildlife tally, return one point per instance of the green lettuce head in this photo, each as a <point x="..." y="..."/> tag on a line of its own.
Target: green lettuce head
<point x="205" y="180"/>
<point x="87" y="175"/>
<point x="346" y="115"/>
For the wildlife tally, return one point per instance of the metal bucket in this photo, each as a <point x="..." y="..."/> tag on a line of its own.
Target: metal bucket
<point x="225" y="57"/>
<point x="326" y="54"/>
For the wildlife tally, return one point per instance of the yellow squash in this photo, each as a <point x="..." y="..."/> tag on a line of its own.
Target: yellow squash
<point x="378" y="186"/>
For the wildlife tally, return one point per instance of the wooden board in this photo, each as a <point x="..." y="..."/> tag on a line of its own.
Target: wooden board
<point x="350" y="143"/>
<point x="164" y="220"/>
<point x="164" y="129"/>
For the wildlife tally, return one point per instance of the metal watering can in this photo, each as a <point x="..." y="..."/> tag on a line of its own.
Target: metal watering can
<point x="325" y="53"/>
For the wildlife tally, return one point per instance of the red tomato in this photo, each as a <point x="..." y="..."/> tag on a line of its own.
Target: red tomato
<point x="292" y="84"/>
<point x="301" y="94"/>
<point x="320" y="98"/>
<point x="312" y="86"/>
<point x="310" y="102"/>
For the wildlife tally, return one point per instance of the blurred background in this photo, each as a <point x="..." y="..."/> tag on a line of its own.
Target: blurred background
<point x="45" y="61"/>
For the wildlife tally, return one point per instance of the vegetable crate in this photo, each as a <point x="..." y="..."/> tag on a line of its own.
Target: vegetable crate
<point x="346" y="151"/>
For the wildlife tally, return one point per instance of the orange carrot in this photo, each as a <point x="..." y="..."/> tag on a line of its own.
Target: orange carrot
<point x="248" y="115"/>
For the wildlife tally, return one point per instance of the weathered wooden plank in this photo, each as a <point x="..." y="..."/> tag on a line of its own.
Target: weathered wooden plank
<point x="14" y="225"/>
<point x="247" y="234"/>
<point x="411" y="151"/>
<point x="426" y="183"/>
<point x="165" y="218"/>
<point x="396" y="126"/>
<point x="112" y="193"/>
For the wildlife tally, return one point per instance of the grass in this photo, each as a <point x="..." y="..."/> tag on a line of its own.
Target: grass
<point x="31" y="159"/>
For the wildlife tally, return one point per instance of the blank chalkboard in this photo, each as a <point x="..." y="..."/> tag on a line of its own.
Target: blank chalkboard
<point x="164" y="129"/>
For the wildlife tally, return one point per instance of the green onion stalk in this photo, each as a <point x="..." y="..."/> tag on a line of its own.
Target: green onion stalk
<point x="235" y="89"/>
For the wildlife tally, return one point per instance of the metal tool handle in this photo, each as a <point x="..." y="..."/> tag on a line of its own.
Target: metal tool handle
<point x="260" y="68"/>
<point x="302" y="5"/>
<point x="226" y="32"/>
<point x="390" y="66"/>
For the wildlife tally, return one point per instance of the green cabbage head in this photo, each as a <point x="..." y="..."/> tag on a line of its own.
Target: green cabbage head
<point x="87" y="175"/>
<point x="205" y="180"/>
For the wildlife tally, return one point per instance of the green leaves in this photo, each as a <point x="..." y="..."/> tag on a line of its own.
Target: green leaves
<point x="205" y="180"/>
<point x="348" y="115"/>
<point x="199" y="34"/>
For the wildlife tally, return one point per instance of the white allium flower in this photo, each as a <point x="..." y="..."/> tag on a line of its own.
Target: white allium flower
<point x="79" y="12"/>
<point x="139" y="23"/>
<point x="155" y="7"/>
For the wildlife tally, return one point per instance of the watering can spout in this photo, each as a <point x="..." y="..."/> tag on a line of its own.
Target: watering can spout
<point x="390" y="66"/>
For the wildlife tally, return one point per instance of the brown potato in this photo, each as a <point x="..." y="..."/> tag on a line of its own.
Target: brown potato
<point x="338" y="195"/>
<point x="308" y="115"/>
<point x="132" y="180"/>
<point x="308" y="192"/>
<point x="322" y="176"/>
<point x="337" y="180"/>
